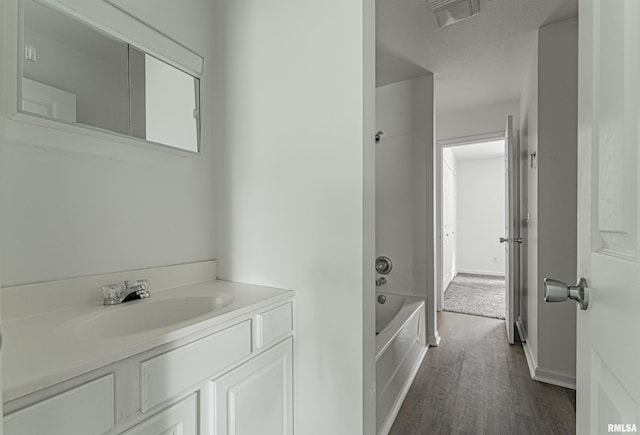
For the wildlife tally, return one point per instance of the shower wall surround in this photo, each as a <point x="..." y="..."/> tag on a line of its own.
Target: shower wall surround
<point x="404" y="112"/>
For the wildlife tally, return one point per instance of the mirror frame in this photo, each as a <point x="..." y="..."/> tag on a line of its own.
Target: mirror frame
<point x="121" y="26"/>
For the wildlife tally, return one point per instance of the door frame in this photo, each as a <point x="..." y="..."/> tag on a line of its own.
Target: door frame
<point x="438" y="291"/>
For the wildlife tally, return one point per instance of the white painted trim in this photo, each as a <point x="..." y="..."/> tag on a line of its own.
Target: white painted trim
<point x="108" y="18"/>
<point x="20" y="132"/>
<point x="480" y="272"/>
<point x="438" y="290"/>
<point x="386" y="427"/>
<point x="547" y="376"/>
<point x="434" y="230"/>
<point x="522" y="331"/>
<point x="555" y="378"/>
<point x="449" y="166"/>
<point x="434" y="340"/>
<point x="531" y="361"/>
<point x="467" y="140"/>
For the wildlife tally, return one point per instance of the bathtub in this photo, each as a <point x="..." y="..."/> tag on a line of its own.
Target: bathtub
<point x="400" y="348"/>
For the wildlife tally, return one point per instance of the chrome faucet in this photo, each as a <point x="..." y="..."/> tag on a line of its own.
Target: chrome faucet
<point x="381" y="281"/>
<point x="131" y="290"/>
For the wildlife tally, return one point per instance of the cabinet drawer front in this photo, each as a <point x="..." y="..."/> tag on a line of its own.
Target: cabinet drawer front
<point x="274" y="325"/>
<point x="180" y="419"/>
<point x="87" y="410"/>
<point x="169" y="374"/>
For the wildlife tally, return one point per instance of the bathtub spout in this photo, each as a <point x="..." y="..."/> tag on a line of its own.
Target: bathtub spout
<point x="381" y="281"/>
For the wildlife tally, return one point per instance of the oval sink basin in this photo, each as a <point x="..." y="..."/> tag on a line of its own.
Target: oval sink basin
<point x="148" y="314"/>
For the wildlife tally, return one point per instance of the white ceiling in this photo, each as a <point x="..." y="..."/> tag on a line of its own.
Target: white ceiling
<point x="479" y="151"/>
<point x="479" y="61"/>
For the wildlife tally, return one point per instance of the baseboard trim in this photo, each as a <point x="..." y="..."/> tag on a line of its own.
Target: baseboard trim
<point x="531" y="362"/>
<point x="434" y="340"/>
<point x="547" y="376"/>
<point x="480" y="272"/>
<point x="391" y="418"/>
<point x="521" y="330"/>
<point x="555" y="378"/>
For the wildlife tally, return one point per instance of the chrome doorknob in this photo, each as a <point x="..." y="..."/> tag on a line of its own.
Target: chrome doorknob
<point x="558" y="291"/>
<point x="502" y="240"/>
<point x="517" y="240"/>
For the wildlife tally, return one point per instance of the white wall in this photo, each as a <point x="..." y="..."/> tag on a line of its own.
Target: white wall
<point x="403" y="111"/>
<point x="550" y="129"/>
<point x="292" y="186"/>
<point x="480" y="216"/>
<point x="74" y="205"/>
<point x="294" y="144"/>
<point x="476" y="121"/>
<point x="557" y="179"/>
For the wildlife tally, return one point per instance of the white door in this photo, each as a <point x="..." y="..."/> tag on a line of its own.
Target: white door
<point x="608" y="355"/>
<point x="512" y="238"/>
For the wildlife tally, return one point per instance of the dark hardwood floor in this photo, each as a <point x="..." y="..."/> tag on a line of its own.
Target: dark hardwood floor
<point x="477" y="383"/>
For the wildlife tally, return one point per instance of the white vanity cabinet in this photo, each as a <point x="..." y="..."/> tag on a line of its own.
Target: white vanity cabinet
<point x="256" y="398"/>
<point x="231" y="378"/>
<point x="179" y="419"/>
<point x="85" y="409"/>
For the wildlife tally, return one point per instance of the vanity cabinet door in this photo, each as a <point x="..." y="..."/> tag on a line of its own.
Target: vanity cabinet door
<point x="255" y="398"/>
<point x="180" y="419"/>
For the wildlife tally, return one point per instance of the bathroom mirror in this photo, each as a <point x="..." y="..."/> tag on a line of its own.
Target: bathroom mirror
<point x="79" y="73"/>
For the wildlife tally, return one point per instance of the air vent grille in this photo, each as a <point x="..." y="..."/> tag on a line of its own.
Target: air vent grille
<point x="448" y="12"/>
<point x="438" y="4"/>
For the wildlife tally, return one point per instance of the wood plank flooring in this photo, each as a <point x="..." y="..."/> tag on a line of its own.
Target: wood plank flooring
<point x="477" y="383"/>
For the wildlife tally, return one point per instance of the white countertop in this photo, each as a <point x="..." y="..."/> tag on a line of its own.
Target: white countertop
<point x="41" y="350"/>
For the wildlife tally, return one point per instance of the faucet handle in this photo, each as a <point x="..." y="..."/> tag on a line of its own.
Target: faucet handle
<point x="131" y="283"/>
<point x="143" y="288"/>
<point x="112" y="293"/>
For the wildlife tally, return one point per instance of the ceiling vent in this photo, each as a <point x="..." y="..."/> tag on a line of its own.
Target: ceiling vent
<point x="452" y="11"/>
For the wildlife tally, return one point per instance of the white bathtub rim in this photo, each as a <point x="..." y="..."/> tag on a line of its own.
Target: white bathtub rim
<point x="389" y="333"/>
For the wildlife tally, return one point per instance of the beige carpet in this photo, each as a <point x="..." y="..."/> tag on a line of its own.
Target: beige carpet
<point x="480" y="295"/>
